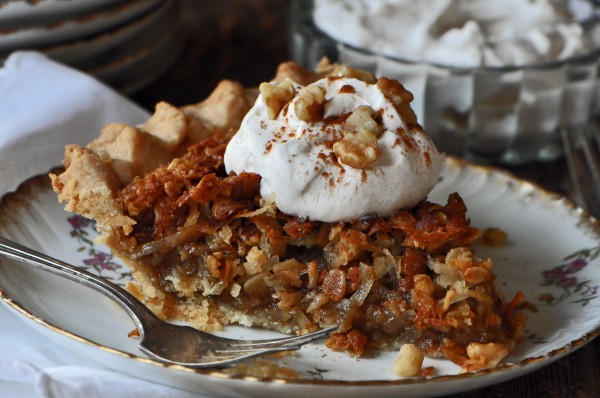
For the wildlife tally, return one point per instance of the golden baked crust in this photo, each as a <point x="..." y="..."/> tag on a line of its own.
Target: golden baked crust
<point x="205" y="247"/>
<point x="96" y="173"/>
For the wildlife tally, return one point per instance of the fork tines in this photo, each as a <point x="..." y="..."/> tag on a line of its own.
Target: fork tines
<point x="582" y="151"/>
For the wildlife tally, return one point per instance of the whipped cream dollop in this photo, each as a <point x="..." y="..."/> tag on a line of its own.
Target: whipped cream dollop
<point x="306" y="164"/>
<point x="461" y="33"/>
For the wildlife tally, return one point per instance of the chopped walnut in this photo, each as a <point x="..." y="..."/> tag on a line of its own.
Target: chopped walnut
<point x="409" y="361"/>
<point x="256" y="261"/>
<point x="310" y="104"/>
<point x="359" y="149"/>
<point x="424" y="284"/>
<point x="399" y="96"/>
<point x="485" y="356"/>
<point x="355" y="153"/>
<point x="346" y="71"/>
<point x="276" y="97"/>
<point x="326" y="68"/>
<point x="362" y="121"/>
<point x="477" y="275"/>
<point x="262" y="368"/>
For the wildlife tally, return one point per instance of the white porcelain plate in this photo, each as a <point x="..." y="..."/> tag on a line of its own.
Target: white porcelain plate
<point x="552" y="256"/>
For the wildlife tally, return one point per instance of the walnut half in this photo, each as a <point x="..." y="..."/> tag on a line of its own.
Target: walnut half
<point x="310" y="105"/>
<point x="400" y="97"/>
<point x="277" y="96"/>
<point x="358" y="148"/>
<point x="325" y="68"/>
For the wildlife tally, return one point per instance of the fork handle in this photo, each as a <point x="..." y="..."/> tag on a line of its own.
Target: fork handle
<point x="136" y="310"/>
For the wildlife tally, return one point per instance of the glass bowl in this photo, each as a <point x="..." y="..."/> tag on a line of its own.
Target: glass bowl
<point x="509" y="115"/>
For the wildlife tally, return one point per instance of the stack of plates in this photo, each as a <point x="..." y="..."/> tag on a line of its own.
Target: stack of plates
<point x="126" y="43"/>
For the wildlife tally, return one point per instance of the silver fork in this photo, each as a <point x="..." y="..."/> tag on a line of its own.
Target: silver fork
<point x="582" y="151"/>
<point x="166" y="342"/>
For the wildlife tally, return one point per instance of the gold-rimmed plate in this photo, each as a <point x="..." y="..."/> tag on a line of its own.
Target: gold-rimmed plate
<point x="552" y="255"/>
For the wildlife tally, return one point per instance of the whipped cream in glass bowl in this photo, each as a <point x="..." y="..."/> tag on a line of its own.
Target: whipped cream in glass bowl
<point x="493" y="81"/>
<point x="336" y="150"/>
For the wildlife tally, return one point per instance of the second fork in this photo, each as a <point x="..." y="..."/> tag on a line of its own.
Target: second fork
<point x="582" y="151"/>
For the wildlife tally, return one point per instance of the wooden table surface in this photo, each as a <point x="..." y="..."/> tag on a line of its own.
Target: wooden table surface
<point x="245" y="40"/>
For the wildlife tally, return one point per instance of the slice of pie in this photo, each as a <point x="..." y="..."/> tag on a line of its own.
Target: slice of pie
<point x="206" y="247"/>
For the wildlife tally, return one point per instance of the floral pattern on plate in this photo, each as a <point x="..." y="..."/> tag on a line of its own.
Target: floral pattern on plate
<point x="99" y="262"/>
<point x="565" y="277"/>
<point x="552" y="256"/>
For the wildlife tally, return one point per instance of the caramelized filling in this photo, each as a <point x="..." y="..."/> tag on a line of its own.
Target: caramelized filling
<point x="386" y="280"/>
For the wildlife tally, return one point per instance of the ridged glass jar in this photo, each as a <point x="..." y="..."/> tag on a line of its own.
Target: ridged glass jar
<point x="509" y="115"/>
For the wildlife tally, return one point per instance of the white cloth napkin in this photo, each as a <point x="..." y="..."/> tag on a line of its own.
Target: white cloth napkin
<point x="44" y="106"/>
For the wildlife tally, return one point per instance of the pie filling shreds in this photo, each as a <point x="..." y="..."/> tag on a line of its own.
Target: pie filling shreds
<point x="206" y="247"/>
